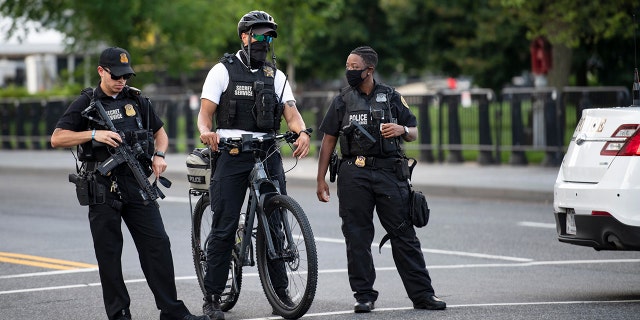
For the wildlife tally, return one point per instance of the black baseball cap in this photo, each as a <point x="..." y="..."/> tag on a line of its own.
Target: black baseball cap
<point x="118" y="61"/>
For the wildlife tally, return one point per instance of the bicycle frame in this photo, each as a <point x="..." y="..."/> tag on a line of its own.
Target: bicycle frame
<point x="261" y="189"/>
<point x="283" y="235"/>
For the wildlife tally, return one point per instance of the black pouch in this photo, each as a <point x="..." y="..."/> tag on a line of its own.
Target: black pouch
<point x="402" y="169"/>
<point x="97" y="192"/>
<point x="265" y="109"/>
<point x="419" y="209"/>
<point x="82" y="188"/>
<point x="88" y="190"/>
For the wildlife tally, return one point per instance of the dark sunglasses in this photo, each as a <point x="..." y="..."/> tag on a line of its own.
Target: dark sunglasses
<point x="262" y="37"/>
<point x="124" y="76"/>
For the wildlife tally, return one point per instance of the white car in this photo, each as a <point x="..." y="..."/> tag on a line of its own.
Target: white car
<point x="597" y="191"/>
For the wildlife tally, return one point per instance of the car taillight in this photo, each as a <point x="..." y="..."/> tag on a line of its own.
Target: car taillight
<point x="600" y="213"/>
<point x="628" y="147"/>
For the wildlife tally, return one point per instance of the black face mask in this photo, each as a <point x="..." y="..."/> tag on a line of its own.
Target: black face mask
<point x="354" y="77"/>
<point x="258" y="53"/>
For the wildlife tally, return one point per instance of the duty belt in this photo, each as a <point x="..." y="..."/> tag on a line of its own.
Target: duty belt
<point x="374" y="162"/>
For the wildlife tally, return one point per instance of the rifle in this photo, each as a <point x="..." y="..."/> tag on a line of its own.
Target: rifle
<point x="126" y="153"/>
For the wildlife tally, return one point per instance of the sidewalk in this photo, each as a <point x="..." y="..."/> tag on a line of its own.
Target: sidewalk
<point x="505" y="182"/>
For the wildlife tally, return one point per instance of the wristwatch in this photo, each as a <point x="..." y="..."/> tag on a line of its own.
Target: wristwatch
<point x="159" y="154"/>
<point x="307" y="131"/>
<point x="406" y="131"/>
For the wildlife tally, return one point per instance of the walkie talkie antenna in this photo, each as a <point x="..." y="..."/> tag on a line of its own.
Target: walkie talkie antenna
<point x="636" y="80"/>
<point x="635" y="42"/>
<point x="636" y="90"/>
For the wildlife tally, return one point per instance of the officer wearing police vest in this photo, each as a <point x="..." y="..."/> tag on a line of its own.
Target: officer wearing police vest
<point x="369" y="119"/>
<point x="247" y="95"/>
<point x="115" y="197"/>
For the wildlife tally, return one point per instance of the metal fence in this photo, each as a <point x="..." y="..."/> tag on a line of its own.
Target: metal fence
<point x="452" y="125"/>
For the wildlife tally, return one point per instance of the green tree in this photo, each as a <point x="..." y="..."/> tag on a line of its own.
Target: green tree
<point x="415" y="38"/>
<point x="459" y="38"/>
<point x="485" y="39"/>
<point x="351" y="24"/>
<point x="577" y="31"/>
<point x="171" y="38"/>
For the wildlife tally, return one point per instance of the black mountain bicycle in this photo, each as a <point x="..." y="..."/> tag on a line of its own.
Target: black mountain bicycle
<point x="276" y="223"/>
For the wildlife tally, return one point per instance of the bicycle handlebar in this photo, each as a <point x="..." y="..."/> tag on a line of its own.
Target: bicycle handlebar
<point x="237" y="142"/>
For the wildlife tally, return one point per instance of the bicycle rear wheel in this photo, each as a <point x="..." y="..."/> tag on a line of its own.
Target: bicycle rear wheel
<point x="202" y="217"/>
<point x="289" y="281"/>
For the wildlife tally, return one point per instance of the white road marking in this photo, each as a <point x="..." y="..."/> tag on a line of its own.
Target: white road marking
<point x="537" y="224"/>
<point x="324" y="314"/>
<point x="388" y="246"/>
<point x="436" y="251"/>
<point x="458" y="266"/>
<point x="48" y="273"/>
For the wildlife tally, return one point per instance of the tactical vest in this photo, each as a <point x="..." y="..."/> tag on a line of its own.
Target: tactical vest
<point x="361" y="114"/>
<point x="250" y="102"/>
<point x="126" y="117"/>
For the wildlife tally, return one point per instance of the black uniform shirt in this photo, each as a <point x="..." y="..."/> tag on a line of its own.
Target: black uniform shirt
<point x="332" y="122"/>
<point x="73" y="120"/>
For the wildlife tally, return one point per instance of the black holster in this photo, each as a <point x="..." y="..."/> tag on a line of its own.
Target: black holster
<point x="88" y="190"/>
<point x="403" y="172"/>
<point x="334" y="166"/>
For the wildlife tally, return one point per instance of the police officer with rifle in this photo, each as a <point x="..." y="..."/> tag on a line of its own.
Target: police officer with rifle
<point x="121" y="142"/>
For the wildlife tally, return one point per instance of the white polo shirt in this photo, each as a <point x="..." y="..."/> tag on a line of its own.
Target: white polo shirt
<point x="217" y="82"/>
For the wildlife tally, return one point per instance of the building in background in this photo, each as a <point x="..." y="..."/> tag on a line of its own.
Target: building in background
<point x="37" y="61"/>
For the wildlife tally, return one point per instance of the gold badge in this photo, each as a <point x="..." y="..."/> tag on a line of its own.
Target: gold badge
<point x="360" y="161"/>
<point x="123" y="58"/>
<point x="129" y="110"/>
<point x="234" y="151"/>
<point x="268" y="71"/>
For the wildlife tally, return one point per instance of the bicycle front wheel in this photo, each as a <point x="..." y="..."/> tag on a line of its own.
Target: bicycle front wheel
<point x="202" y="217"/>
<point x="289" y="279"/>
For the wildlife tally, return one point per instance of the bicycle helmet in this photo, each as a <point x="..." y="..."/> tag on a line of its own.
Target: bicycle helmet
<point x="259" y="22"/>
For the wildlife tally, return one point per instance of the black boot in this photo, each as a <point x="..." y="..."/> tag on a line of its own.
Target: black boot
<point x="211" y="307"/>
<point x="430" y="303"/>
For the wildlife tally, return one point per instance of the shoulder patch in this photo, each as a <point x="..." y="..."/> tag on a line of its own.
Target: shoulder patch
<point x="404" y="102"/>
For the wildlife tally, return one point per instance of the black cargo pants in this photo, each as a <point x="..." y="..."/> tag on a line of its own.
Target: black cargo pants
<point x="360" y="191"/>
<point x="154" y="249"/>
<point x="227" y="193"/>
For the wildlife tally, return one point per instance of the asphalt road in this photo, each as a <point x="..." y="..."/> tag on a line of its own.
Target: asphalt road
<point x="489" y="259"/>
